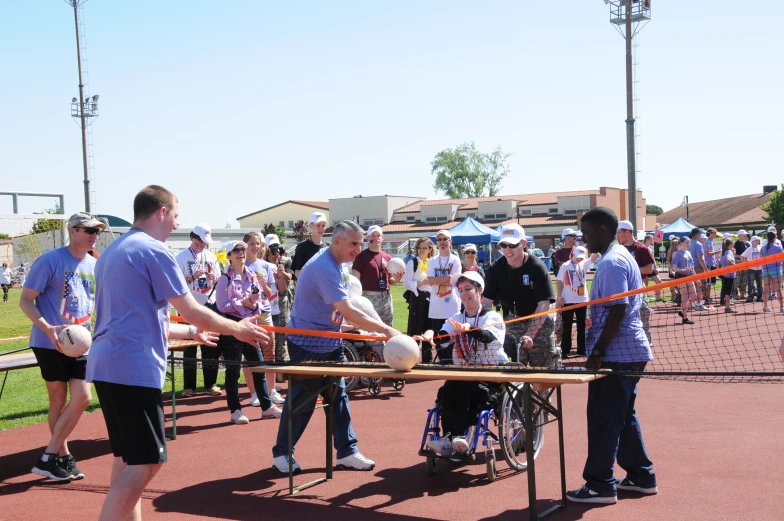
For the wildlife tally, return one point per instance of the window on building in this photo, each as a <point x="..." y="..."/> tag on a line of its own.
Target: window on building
<point x="410" y="218"/>
<point x="471" y="214"/>
<point x="441" y="219"/>
<point x="291" y="225"/>
<point x="371" y="222"/>
<point x="525" y="212"/>
<point x="570" y="212"/>
<point x="495" y="216"/>
<point x="552" y="211"/>
<point x="282" y="223"/>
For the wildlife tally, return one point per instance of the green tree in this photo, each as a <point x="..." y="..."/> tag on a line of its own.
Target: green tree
<point x="4" y="236"/>
<point x="281" y="233"/>
<point x="652" y="209"/>
<point x="775" y="207"/>
<point x="48" y="225"/>
<point x="300" y="231"/>
<point x="466" y="172"/>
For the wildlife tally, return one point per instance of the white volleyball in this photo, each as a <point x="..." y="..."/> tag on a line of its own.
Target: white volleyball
<point x="354" y="287"/>
<point x="396" y="265"/>
<point x="401" y="353"/>
<point x="364" y="305"/>
<point x="76" y="340"/>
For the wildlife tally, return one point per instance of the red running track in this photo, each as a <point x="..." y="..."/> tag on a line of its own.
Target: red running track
<point x="716" y="447"/>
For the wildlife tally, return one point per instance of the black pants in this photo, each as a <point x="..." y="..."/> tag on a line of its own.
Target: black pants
<point x="418" y="323"/>
<point x="726" y="288"/>
<point x="444" y="353"/>
<point x="461" y="402"/>
<point x="189" y="368"/>
<point x="233" y="350"/>
<point x="566" y="338"/>
<point x="5" y="292"/>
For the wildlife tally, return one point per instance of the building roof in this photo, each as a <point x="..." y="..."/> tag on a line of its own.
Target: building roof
<point x="740" y="210"/>
<point x="417" y="227"/>
<point x="472" y="203"/>
<point x="319" y="205"/>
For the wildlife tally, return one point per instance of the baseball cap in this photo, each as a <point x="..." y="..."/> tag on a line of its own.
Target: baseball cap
<point x="567" y="232"/>
<point x="672" y="237"/>
<point x="579" y="252"/>
<point x="513" y="233"/>
<point x="771" y="228"/>
<point x="444" y="233"/>
<point x="726" y="235"/>
<point x="318" y="217"/>
<point x="373" y="229"/>
<point x="755" y="238"/>
<point x="469" y="246"/>
<point x="625" y="225"/>
<point x="86" y="220"/>
<point x="204" y="232"/>
<point x="233" y="244"/>
<point x="742" y="232"/>
<point x="470" y="275"/>
<point x="271" y="238"/>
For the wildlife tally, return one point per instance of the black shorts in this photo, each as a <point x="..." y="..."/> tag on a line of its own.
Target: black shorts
<point x="712" y="279"/>
<point x="134" y="420"/>
<point x="57" y="367"/>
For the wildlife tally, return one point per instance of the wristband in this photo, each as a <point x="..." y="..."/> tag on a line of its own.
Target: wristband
<point x="191" y="332"/>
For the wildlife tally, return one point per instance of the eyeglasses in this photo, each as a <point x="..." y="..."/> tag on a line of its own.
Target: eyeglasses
<point x="238" y="250"/>
<point x="89" y="231"/>
<point x="442" y="239"/>
<point x="470" y="253"/>
<point x="505" y="245"/>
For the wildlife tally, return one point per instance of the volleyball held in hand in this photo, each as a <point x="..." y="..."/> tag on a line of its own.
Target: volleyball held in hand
<point x="76" y="340"/>
<point x="396" y="266"/>
<point x="354" y="287"/>
<point x="401" y="353"/>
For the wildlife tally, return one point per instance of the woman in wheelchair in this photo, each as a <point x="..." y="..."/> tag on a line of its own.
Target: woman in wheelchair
<point x="472" y="337"/>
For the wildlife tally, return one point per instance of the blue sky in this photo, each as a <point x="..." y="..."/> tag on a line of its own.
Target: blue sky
<point x="236" y="106"/>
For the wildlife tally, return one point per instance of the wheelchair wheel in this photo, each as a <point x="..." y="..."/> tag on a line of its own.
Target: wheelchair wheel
<point x="374" y="388"/>
<point x="398" y="384"/>
<point x="512" y="433"/>
<point x="352" y="356"/>
<point x="491" y="474"/>
<point x="430" y="463"/>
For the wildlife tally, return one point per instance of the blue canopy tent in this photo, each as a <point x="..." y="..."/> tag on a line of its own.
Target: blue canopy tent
<point x="679" y="228"/>
<point x="472" y="231"/>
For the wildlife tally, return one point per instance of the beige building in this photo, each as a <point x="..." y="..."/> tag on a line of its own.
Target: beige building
<point x="367" y="211"/>
<point x="284" y="214"/>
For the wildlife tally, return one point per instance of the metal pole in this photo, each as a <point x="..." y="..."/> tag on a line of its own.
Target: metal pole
<point x="630" y="160"/>
<point x="75" y="4"/>
<point x="687" y="207"/>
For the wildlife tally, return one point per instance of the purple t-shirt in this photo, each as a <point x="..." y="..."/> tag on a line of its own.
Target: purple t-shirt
<point x="65" y="285"/>
<point x="135" y="276"/>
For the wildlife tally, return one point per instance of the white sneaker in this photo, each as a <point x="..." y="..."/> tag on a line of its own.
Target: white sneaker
<point x="276" y="398"/>
<point x="442" y="445"/>
<point x="239" y="418"/>
<point x="459" y="444"/>
<point x="355" y="462"/>
<point x="272" y="412"/>
<point x="254" y="400"/>
<point x="281" y="464"/>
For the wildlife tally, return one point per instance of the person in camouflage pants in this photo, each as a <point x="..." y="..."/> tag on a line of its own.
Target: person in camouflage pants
<point x="544" y="352"/>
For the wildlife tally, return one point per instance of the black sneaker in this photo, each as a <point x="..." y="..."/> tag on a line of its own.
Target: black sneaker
<point x="51" y="469"/>
<point x="687" y="321"/>
<point x="586" y="495"/>
<point x="630" y="486"/>
<point x="69" y="464"/>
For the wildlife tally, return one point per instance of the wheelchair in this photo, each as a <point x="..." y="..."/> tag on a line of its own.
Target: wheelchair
<point x="510" y="437"/>
<point x="363" y="351"/>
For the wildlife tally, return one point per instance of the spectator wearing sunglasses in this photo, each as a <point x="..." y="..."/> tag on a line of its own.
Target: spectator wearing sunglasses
<point x="470" y="261"/>
<point x="444" y="303"/>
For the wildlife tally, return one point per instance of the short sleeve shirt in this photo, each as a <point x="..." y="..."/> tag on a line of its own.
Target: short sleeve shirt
<point x="618" y="273"/>
<point x="322" y="282"/>
<point x="372" y="268"/>
<point x="264" y="270"/>
<point x="682" y="260"/>
<point x="641" y="255"/>
<point x="519" y="289"/>
<point x="726" y="259"/>
<point x="304" y="252"/>
<point x="65" y="285"/>
<point x="135" y="276"/>
<point x="741" y="246"/>
<point x="469" y="351"/>
<point x="189" y="262"/>
<point x="444" y="302"/>
<point x="710" y="260"/>
<point x="574" y="277"/>
<point x="752" y="253"/>
<point x="697" y="251"/>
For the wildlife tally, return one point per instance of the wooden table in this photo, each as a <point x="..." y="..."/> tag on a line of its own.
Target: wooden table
<point x="520" y="380"/>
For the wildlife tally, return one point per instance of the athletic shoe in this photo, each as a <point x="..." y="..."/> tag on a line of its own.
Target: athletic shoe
<point x="732" y="302"/>
<point x="51" y="468"/>
<point x="239" y="418"/>
<point x="687" y="321"/>
<point x="272" y="412"/>
<point x="729" y="310"/>
<point x="709" y="301"/>
<point x="586" y="495"/>
<point x="782" y="309"/>
<point x="766" y="309"/>
<point x="276" y="398"/>
<point x="459" y="444"/>
<point x="630" y="486"/>
<point x="278" y="388"/>
<point x="699" y="307"/>
<point x="187" y="393"/>
<point x="281" y="464"/>
<point x="68" y="462"/>
<point x="215" y="390"/>
<point x="355" y="462"/>
<point x="442" y="445"/>
<point x="254" y="400"/>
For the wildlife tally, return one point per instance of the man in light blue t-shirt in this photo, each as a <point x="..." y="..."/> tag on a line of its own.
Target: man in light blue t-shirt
<point x="321" y="303"/>
<point x="57" y="294"/>
<point x="615" y="341"/>
<point x="137" y="277"/>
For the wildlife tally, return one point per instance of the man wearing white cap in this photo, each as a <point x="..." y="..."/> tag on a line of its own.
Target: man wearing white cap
<point x="742" y="282"/>
<point x="571" y="286"/>
<point x="644" y="259"/>
<point x="522" y="283"/>
<point x="754" y="274"/>
<point x="564" y="253"/>
<point x="201" y="271"/>
<point x="310" y="246"/>
<point x="444" y="303"/>
<point x="370" y="267"/>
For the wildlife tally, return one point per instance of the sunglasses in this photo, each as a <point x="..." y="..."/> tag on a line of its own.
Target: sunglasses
<point x="505" y="245"/>
<point x="470" y="253"/>
<point x="238" y="250"/>
<point x="442" y="239"/>
<point x="89" y="231"/>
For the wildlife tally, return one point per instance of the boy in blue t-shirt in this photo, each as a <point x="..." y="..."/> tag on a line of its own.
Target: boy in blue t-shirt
<point x="57" y="294"/>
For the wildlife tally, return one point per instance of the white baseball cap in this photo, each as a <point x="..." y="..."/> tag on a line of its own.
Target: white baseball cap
<point x="204" y="232"/>
<point x="726" y="235"/>
<point x="318" y="217"/>
<point x="579" y="252"/>
<point x="445" y="233"/>
<point x="625" y="225"/>
<point x="771" y="228"/>
<point x="373" y="229"/>
<point x="469" y="246"/>
<point x="233" y="244"/>
<point x="470" y="275"/>
<point x="755" y="238"/>
<point x="568" y="231"/>
<point x="512" y="233"/>
<point x="672" y="237"/>
<point x="742" y="232"/>
<point x="272" y="238"/>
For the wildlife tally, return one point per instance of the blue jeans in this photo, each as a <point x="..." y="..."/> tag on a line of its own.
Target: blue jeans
<point x="614" y="431"/>
<point x="304" y="392"/>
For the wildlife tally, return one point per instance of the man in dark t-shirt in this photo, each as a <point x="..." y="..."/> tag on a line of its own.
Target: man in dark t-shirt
<point x="370" y="267"/>
<point x="310" y="246"/>
<point x="522" y="283"/>
<point x="564" y="254"/>
<point x="644" y="259"/>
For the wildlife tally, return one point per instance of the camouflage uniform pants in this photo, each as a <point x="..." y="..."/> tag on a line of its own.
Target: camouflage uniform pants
<point x="645" y="316"/>
<point x="544" y="352"/>
<point x="382" y="303"/>
<point x="741" y="283"/>
<point x="281" y="348"/>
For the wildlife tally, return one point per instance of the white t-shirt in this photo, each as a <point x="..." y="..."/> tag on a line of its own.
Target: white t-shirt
<point x="468" y="351"/>
<point x="752" y="253"/>
<point x="765" y="241"/>
<point x="573" y="276"/>
<point x="662" y="251"/>
<point x="444" y="302"/>
<point x="5" y="276"/>
<point x="411" y="278"/>
<point x="189" y="262"/>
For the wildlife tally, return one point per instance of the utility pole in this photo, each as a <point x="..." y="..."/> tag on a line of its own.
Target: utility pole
<point x="82" y="120"/>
